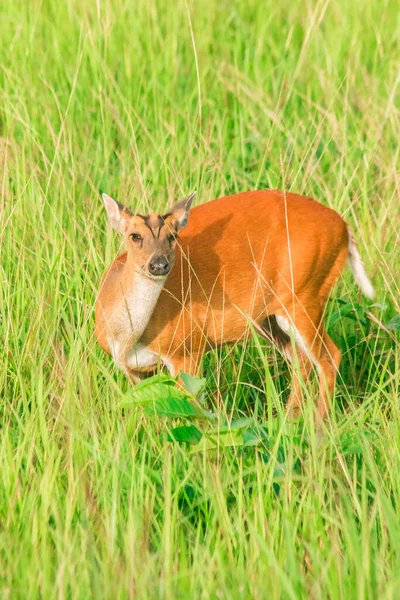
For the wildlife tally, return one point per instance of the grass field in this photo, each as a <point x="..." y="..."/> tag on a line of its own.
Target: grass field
<point x="149" y="100"/>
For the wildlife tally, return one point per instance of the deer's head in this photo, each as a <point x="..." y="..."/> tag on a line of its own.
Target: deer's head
<point x="150" y="239"/>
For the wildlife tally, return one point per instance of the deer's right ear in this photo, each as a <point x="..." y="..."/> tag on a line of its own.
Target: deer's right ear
<point x="117" y="213"/>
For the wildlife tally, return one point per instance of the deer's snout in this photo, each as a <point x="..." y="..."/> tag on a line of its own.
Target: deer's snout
<point x="159" y="266"/>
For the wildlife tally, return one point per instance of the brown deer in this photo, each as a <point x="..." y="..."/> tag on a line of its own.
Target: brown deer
<point x="185" y="285"/>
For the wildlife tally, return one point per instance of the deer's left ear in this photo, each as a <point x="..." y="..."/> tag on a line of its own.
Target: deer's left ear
<point x="180" y="211"/>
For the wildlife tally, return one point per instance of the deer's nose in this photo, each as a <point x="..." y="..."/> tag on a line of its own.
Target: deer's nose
<point x="159" y="266"/>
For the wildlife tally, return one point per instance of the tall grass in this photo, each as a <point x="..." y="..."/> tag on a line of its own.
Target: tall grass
<point x="147" y="101"/>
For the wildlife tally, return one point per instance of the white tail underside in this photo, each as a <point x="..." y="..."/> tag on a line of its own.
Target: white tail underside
<point x="358" y="269"/>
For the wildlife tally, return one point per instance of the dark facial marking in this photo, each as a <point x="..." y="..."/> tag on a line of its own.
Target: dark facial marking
<point x="154" y="223"/>
<point x="172" y="237"/>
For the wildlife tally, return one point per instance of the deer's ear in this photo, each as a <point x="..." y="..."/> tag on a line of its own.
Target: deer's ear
<point x="117" y="213"/>
<point x="180" y="211"/>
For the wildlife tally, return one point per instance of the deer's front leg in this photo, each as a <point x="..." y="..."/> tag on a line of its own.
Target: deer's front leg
<point x="186" y="362"/>
<point x="134" y="376"/>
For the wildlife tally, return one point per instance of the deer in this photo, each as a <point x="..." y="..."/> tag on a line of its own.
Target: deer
<point x="192" y="279"/>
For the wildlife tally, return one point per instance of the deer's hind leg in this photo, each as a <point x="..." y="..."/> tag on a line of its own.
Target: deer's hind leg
<point x="309" y="338"/>
<point x="329" y="362"/>
<point x="301" y="365"/>
<point x="301" y="370"/>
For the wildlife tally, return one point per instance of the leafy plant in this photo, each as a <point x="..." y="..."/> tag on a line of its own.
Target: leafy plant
<point x="394" y="323"/>
<point x="158" y="396"/>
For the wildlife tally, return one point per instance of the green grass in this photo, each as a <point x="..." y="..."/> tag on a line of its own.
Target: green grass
<point x="149" y="100"/>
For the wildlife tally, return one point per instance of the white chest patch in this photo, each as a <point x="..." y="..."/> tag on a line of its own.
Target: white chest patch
<point x="138" y="305"/>
<point x="128" y="321"/>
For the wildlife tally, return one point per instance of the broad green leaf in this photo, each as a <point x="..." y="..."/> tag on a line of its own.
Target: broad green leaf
<point x="159" y="378"/>
<point x="186" y="433"/>
<point x="242" y="423"/>
<point x="235" y="424"/>
<point x="215" y="442"/>
<point x="349" y="310"/>
<point x="175" y="407"/>
<point x="141" y="395"/>
<point x="353" y="449"/>
<point x="192" y="384"/>
<point x="254" y="436"/>
<point x="394" y="323"/>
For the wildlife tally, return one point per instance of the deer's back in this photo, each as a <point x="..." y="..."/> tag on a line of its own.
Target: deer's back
<point x="239" y="254"/>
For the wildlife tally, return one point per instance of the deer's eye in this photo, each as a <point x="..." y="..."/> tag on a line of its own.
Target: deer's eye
<point x="135" y="237"/>
<point x="172" y="237"/>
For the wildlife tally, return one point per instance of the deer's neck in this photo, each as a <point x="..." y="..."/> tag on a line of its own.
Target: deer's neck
<point x="138" y="298"/>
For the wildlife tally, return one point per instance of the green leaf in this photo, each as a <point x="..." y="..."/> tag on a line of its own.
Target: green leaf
<point x="215" y="442"/>
<point x="242" y="423"/>
<point x="353" y="449"/>
<point x="143" y="394"/>
<point x="379" y="305"/>
<point x="235" y="424"/>
<point x="394" y="323"/>
<point x="350" y="310"/>
<point x="192" y="384"/>
<point x="159" y="378"/>
<point x="175" y="407"/>
<point x="186" y="433"/>
<point x="254" y="436"/>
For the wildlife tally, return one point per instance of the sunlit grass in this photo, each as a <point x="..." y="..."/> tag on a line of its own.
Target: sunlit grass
<point x="106" y="96"/>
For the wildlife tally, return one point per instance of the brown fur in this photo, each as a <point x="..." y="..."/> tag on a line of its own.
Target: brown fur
<point x="243" y="258"/>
